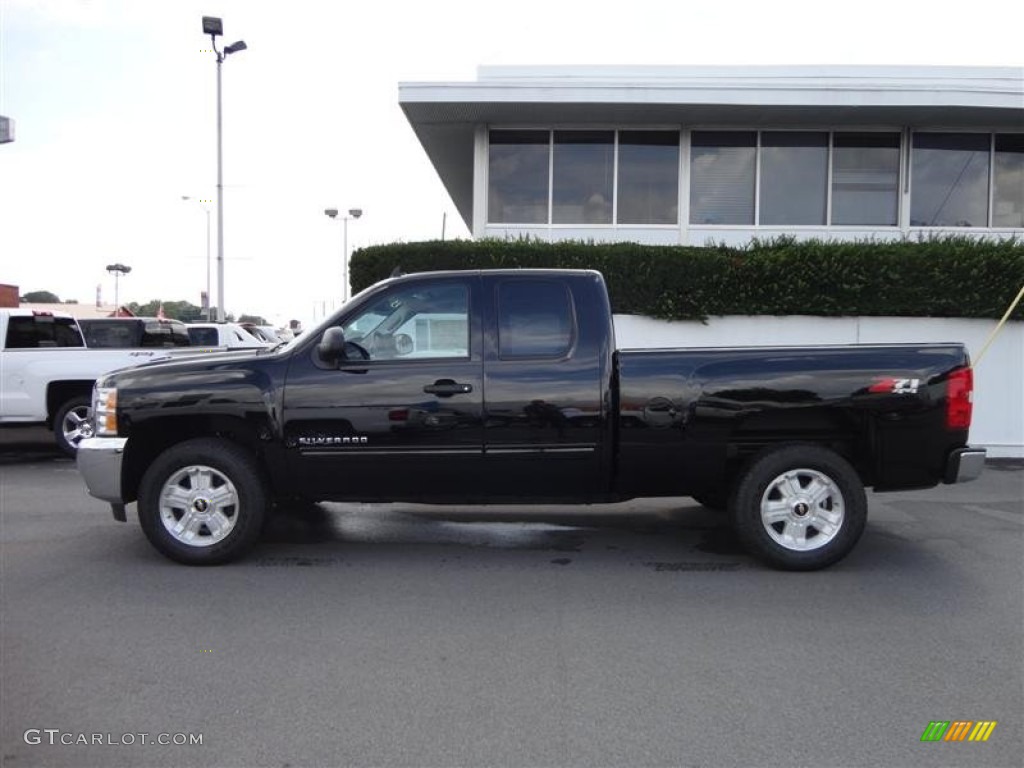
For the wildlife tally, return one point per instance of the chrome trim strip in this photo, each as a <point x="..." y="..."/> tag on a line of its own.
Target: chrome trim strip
<point x="534" y="449"/>
<point x="361" y="450"/>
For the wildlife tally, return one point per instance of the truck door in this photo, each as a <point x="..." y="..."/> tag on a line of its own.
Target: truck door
<point x="400" y="417"/>
<point x="545" y="416"/>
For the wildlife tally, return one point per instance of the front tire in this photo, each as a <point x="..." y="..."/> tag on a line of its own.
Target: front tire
<point x="799" y="507"/>
<point x="203" y="502"/>
<point x="72" y="424"/>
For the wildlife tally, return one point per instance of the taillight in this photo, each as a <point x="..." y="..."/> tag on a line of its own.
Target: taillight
<point x="959" y="396"/>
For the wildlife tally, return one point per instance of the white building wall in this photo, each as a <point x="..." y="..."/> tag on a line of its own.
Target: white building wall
<point x="998" y="378"/>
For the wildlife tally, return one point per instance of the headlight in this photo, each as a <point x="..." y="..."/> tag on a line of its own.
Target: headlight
<point x="104" y="411"/>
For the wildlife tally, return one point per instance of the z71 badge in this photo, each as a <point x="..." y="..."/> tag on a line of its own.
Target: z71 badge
<point x="896" y="386"/>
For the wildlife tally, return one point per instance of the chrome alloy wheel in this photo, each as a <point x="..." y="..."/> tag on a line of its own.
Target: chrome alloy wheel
<point x="802" y="509"/>
<point x="77" y="424"/>
<point x="198" y="506"/>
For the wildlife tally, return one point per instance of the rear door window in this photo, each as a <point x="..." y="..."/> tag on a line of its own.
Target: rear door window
<point x="535" y="319"/>
<point x="164" y="334"/>
<point x="110" y="333"/>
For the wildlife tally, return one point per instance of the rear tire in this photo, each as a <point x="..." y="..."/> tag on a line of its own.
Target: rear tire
<point x="203" y="502"/>
<point x="72" y="424"/>
<point x="799" y="507"/>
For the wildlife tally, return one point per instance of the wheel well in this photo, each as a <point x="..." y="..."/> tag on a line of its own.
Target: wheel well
<point x="151" y="438"/>
<point x="845" y="432"/>
<point x="59" y="392"/>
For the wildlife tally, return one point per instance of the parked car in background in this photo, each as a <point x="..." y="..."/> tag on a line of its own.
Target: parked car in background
<point x="136" y="332"/>
<point x="265" y="333"/>
<point x="284" y="333"/>
<point x="230" y="335"/>
<point x="47" y="373"/>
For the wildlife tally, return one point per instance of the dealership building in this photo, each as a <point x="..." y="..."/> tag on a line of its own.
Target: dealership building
<point x="666" y="155"/>
<point x="700" y="155"/>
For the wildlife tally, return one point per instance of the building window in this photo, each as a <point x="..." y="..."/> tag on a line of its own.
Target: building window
<point x="722" y="168"/>
<point x="865" y="179"/>
<point x="517" y="180"/>
<point x="582" y="177"/>
<point x="794" y="177"/>
<point x="1008" y="181"/>
<point x="648" y="191"/>
<point x="747" y="178"/>
<point x="949" y="175"/>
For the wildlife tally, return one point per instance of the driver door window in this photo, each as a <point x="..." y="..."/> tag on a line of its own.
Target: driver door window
<point x="416" y="322"/>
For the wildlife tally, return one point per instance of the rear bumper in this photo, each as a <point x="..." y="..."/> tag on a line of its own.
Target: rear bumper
<point x="964" y="464"/>
<point x="99" y="462"/>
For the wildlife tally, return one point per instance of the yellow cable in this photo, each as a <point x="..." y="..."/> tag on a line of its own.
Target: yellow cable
<point x="995" y="331"/>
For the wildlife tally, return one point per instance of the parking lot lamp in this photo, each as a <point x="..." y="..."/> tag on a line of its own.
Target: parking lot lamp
<point x="353" y="213"/>
<point x="214" y="27"/>
<point x="117" y="270"/>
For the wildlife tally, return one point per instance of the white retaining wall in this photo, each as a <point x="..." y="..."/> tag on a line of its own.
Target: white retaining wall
<point x="998" y="378"/>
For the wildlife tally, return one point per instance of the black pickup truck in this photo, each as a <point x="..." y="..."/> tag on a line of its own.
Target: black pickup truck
<point x="506" y="386"/>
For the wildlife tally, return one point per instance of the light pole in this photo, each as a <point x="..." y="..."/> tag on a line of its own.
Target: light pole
<point x="117" y="270"/>
<point x="353" y="213"/>
<point x="200" y="203"/>
<point x="214" y="27"/>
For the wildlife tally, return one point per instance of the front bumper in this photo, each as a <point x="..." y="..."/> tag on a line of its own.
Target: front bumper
<point x="964" y="464"/>
<point x="99" y="462"/>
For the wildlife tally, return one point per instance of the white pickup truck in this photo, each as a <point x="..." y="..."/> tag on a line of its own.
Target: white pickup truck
<point x="47" y="373"/>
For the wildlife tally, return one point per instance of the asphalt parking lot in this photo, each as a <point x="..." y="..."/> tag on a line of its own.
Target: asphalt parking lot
<point x="398" y="635"/>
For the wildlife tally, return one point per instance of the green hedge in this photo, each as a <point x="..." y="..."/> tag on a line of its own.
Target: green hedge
<point x="950" y="277"/>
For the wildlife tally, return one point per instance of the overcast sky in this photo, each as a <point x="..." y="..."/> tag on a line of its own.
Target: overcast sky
<point x="114" y="105"/>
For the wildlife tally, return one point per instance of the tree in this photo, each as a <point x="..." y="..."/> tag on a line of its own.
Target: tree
<point x="40" y="297"/>
<point x="184" y="311"/>
<point x="173" y="310"/>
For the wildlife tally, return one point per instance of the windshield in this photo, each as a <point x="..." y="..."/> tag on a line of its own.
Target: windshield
<point x="319" y="328"/>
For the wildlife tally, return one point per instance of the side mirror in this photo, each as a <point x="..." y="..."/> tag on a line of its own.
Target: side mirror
<point x="332" y="346"/>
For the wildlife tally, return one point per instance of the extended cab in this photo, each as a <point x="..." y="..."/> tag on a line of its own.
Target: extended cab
<point x="506" y="386"/>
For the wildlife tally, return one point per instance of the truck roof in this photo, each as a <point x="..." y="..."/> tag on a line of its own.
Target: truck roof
<point x="525" y="271"/>
<point x="28" y="312"/>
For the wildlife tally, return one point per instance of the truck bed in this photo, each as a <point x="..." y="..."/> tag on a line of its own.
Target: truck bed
<point x="688" y="416"/>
